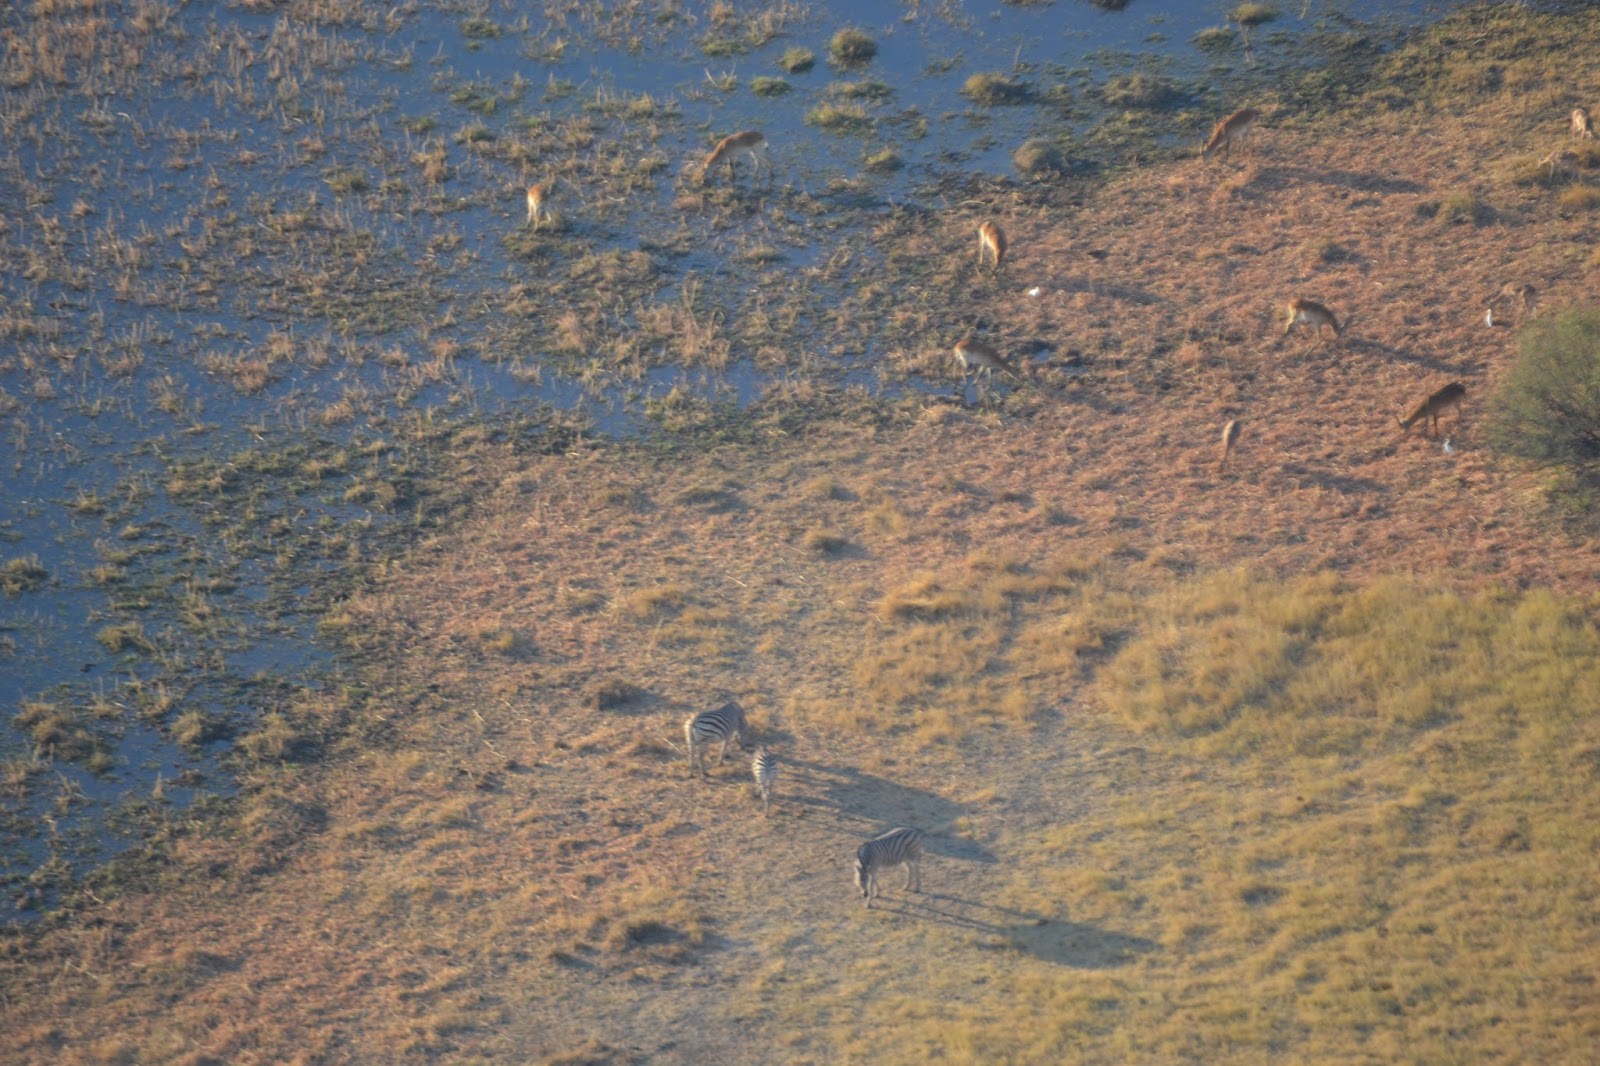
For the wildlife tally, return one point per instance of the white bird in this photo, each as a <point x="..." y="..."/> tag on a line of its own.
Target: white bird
<point x="1034" y="291"/>
<point x="1448" y="448"/>
<point x="1488" y="317"/>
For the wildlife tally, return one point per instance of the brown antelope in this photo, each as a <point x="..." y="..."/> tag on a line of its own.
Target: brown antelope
<point x="1438" y="401"/>
<point x="1520" y="297"/>
<point x="991" y="238"/>
<point x="751" y="145"/>
<point x="1230" y="437"/>
<point x="538" y="199"/>
<point x="1230" y="129"/>
<point x="1582" y="126"/>
<point x="1559" y="161"/>
<point x="982" y="360"/>
<point x="1313" y="314"/>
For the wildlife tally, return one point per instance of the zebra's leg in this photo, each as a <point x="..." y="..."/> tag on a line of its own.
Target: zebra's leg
<point x="722" y="752"/>
<point x="914" y="874"/>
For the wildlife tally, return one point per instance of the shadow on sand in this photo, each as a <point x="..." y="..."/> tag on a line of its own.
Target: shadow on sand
<point x="1054" y="940"/>
<point x="862" y="805"/>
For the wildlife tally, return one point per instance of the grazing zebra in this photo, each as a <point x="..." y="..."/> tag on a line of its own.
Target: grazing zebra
<point x="897" y="847"/>
<point x="708" y="727"/>
<point x="765" y="769"/>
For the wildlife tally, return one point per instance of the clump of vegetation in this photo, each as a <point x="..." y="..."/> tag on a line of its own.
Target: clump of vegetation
<point x="1579" y="198"/>
<point x="1139" y="90"/>
<point x="56" y="731"/>
<point x="826" y="541"/>
<point x="1253" y="15"/>
<point x="1325" y="250"/>
<point x="1548" y="407"/>
<point x="1459" y="206"/>
<point x="884" y="162"/>
<point x="869" y="89"/>
<point x="1039" y="158"/>
<point x="766" y="86"/>
<point x="120" y="638"/>
<point x="718" y="46"/>
<point x="22" y="575"/>
<point x="797" y="60"/>
<point x="992" y="90"/>
<point x="850" y="47"/>
<point x="345" y="180"/>
<point x="1214" y="39"/>
<point x="477" y="27"/>
<point x="840" y="118"/>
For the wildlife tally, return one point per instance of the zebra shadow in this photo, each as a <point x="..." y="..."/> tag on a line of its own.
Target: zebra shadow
<point x="862" y="805"/>
<point x="1057" y="940"/>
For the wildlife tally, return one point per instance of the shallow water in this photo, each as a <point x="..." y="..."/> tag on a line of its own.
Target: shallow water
<point x="214" y="165"/>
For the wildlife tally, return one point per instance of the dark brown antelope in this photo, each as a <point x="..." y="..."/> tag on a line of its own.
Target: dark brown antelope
<point x="751" y="145"/>
<point x="1437" y="402"/>
<point x="1230" y="129"/>
<point x="991" y="239"/>
<point x="1310" y="313"/>
<point x="1230" y="437"/>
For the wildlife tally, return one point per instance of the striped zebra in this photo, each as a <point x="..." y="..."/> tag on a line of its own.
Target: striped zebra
<point x="724" y="724"/>
<point x="765" y="768"/>
<point x="897" y="847"/>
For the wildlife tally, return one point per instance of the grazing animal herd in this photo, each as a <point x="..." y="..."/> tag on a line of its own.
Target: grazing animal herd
<point x="727" y="724"/>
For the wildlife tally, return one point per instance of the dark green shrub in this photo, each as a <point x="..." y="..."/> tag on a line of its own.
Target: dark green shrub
<point x="1548" y="407"/>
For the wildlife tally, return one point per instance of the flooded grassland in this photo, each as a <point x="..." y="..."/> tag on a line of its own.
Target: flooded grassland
<point x="390" y="538"/>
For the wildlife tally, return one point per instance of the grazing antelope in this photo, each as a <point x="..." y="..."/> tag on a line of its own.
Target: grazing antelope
<point x="1313" y="314"/>
<point x="1520" y="296"/>
<point x="1230" y="129"/>
<point x="982" y="360"/>
<point x="751" y="145"/>
<point x="1230" y="437"/>
<point x="1438" y="401"/>
<point x="1559" y="161"/>
<point x="538" y="197"/>
<point x="1582" y="126"/>
<point x="991" y="239"/>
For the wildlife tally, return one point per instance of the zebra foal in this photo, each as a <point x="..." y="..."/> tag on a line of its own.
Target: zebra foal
<point x="765" y="769"/>
<point x="897" y="847"/>
<point x="722" y="725"/>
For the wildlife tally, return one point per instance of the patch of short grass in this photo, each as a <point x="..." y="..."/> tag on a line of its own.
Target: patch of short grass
<point x="1039" y="158"/>
<point x="992" y="90"/>
<point x="797" y="60"/>
<point x="21" y="575"/>
<point x="1579" y="198"/>
<point x="769" y="87"/>
<point x="1139" y="90"/>
<point x="840" y="118"/>
<point x="1459" y="206"/>
<point x="1252" y="15"/>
